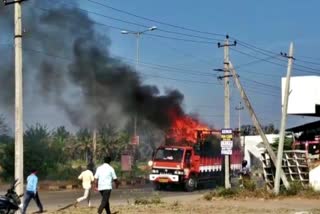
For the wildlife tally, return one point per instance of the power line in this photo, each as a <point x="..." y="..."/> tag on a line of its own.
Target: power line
<point x="251" y="47"/>
<point x="309" y="62"/>
<point x="144" y="74"/>
<point x="263" y="84"/>
<point x="244" y="44"/>
<point x="253" y="56"/>
<point x="278" y="64"/>
<point x="255" y="61"/>
<point x="142" y="25"/>
<point x="157" y="76"/>
<point x="264" y="51"/>
<point x="267" y="53"/>
<point x="147" y="34"/>
<point x="153" y="20"/>
<point x="169" y="69"/>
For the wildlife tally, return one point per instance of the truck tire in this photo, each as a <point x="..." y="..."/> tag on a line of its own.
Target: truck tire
<point x="191" y="183"/>
<point x="158" y="186"/>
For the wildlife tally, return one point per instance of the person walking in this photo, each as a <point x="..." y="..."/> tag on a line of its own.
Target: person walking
<point x="87" y="178"/>
<point x="244" y="174"/>
<point x="32" y="192"/>
<point x="104" y="177"/>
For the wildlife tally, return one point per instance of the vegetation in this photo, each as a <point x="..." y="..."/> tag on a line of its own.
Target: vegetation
<point x="60" y="154"/>
<point x="155" y="199"/>
<point x="296" y="189"/>
<point x="286" y="146"/>
<point x="251" y="129"/>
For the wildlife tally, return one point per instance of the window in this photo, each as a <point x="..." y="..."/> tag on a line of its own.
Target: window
<point x="169" y="154"/>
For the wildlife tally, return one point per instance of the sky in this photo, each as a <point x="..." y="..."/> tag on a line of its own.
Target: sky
<point x="262" y="30"/>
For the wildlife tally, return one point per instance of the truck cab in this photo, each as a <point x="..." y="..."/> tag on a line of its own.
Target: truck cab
<point x="175" y="165"/>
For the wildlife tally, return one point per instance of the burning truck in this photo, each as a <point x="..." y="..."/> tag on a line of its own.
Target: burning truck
<point x="191" y="156"/>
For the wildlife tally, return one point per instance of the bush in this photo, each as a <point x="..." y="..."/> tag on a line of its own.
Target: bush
<point x="63" y="173"/>
<point x="143" y="201"/>
<point x="252" y="192"/>
<point x="295" y="188"/>
<point x="249" y="185"/>
<point x="221" y="192"/>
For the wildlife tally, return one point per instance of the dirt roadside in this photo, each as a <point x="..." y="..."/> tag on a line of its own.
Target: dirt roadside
<point x="195" y="204"/>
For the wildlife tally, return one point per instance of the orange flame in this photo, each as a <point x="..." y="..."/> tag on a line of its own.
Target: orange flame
<point x="184" y="128"/>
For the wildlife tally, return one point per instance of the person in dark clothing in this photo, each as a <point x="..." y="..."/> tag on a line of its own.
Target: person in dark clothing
<point x="244" y="174"/>
<point x="104" y="177"/>
<point x="32" y="192"/>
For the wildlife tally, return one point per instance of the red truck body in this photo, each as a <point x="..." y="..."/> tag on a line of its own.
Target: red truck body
<point x="191" y="164"/>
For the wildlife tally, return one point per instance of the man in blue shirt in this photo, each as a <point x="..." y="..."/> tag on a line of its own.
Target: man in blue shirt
<point x="32" y="192"/>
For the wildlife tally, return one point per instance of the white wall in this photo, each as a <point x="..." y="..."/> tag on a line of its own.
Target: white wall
<point x="314" y="178"/>
<point x="304" y="94"/>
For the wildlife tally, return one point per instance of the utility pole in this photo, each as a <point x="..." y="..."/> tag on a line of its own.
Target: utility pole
<point x="94" y="132"/>
<point x="18" y="156"/>
<point x="226" y="103"/>
<point x="283" y="120"/>
<point x="239" y="109"/>
<point x="94" y="146"/>
<point x="257" y="123"/>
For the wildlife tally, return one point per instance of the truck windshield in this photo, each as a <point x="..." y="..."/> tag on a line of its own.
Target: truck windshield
<point x="169" y="154"/>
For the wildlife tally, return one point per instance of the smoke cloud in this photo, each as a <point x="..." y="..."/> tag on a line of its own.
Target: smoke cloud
<point x="67" y="62"/>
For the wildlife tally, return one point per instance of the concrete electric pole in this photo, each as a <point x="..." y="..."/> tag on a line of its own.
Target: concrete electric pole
<point x="226" y="103"/>
<point x="283" y="120"/>
<point x="257" y="123"/>
<point x="18" y="157"/>
<point x="239" y="109"/>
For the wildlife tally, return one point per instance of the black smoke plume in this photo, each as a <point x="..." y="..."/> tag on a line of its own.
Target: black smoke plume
<point x="67" y="61"/>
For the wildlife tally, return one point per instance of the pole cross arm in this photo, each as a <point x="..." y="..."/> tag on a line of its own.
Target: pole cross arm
<point x="6" y="2"/>
<point x="221" y="77"/>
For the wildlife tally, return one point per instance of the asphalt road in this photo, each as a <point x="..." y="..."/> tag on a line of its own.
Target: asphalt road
<point x="54" y="200"/>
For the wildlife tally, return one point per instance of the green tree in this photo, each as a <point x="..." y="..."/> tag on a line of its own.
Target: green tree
<point x="59" y="140"/>
<point x="4" y="129"/>
<point x="111" y="142"/>
<point x="37" y="152"/>
<point x="79" y="147"/>
<point x="286" y="146"/>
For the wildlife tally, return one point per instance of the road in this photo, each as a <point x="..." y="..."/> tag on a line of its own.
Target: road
<point x="53" y="200"/>
<point x="122" y="200"/>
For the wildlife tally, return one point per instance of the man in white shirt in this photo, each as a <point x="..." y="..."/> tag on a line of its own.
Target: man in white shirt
<point x="104" y="176"/>
<point x="87" y="178"/>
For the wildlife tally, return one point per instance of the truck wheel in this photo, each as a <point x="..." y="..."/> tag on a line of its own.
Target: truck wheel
<point x="157" y="186"/>
<point x="191" y="184"/>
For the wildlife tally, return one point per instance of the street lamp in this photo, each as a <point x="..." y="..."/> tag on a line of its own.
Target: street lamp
<point x="137" y="34"/>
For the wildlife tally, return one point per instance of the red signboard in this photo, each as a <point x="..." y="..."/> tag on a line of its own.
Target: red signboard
<point x="126" y="162"/>
<point x="135" y="140"/>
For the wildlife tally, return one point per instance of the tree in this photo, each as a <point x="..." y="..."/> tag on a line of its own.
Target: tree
<point x="4" y="129"/>
<point x="59" y="140"/>
<point x="37" y="151"/>
<point x="286" y="146"/>
<point x="80" y="146"/>
<point x="111" y="142"/>
<point x="251" y="130"/>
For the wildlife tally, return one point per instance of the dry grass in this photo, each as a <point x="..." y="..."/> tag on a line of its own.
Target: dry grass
<point x="296" y="190"/>
<point x="174" y="208"/>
